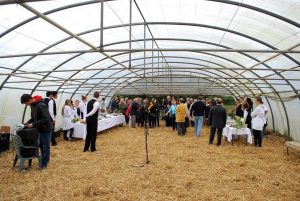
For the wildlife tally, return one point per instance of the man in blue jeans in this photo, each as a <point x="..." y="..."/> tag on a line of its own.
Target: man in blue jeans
<point x="197" y="111"/>
<point x="40" y="119"/>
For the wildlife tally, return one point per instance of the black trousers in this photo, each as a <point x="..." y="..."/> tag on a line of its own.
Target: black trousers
<point x="152" y="121"/>
<point x="168" y="121"/>
<point x="53" y="141"/>
<point x="66" y="133"/>
<point x="212" y="135"/>
<point x="157" y="119"/>
<point x="173" y="122"/>
<point x="142" y="121"/>
<point x="181" y="128"/>
<point x="257" y="137"/>
<point x="192" y="123"/>
<point x="186" y="123"/>
<point x="91" y="135"/>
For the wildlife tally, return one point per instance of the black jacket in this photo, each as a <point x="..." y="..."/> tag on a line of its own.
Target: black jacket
<point x="239" y="112"/>
<point x="40" y="117"/>
<point x="133" y="108"/>
<point x="217" y="116"/>
<point x="198" y="109"/>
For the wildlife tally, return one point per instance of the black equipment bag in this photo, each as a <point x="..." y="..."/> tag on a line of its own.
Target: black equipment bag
<point x="4" y="142"/>
<point x="29" y="137"/>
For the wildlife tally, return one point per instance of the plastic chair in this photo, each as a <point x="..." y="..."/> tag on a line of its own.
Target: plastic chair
<point x="19" y="148"/>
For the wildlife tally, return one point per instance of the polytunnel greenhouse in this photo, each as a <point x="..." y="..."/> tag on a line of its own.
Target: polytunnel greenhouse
<point x="157" y="48"/>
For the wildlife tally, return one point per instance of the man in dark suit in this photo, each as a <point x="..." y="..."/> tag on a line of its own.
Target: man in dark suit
<point x="53" y="112"/>
<point x="50" y="103"/>
<point x="92" y="109"/>
<point x="217" y="120"/>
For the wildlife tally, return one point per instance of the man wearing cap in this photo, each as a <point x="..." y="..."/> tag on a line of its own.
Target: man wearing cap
<point x="40" y="119"/>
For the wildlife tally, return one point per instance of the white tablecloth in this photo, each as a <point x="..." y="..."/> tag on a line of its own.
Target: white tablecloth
<point x="104" y="124"/>
<point x="229" y="131"/>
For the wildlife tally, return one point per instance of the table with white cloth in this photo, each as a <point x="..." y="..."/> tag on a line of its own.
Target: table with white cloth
<point x="103" y="124"/>
<point x="228" y="132"/>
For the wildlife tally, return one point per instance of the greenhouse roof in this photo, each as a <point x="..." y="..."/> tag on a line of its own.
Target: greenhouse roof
<point x="152" y="47"/>
<point x="220" y="47"/>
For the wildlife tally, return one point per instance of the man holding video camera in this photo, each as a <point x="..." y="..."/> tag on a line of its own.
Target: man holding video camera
<point x="42" y="121"/>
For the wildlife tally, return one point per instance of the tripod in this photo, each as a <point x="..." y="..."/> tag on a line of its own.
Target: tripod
<point x="146" y="132"/>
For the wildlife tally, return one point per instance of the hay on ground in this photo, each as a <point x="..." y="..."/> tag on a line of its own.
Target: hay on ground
<point x="181" y="168"/>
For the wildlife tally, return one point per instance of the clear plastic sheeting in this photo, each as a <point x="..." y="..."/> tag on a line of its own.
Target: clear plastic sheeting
<point x="178" y="47"/>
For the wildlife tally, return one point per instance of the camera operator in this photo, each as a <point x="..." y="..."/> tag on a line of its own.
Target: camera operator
<point x="40" y="119"/>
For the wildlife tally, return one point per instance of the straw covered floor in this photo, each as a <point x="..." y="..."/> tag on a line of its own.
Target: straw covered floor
<point x="180" y="168"/>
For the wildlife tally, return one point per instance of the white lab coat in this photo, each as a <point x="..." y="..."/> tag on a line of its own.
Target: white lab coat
<point x="67" y="118"/>
<point x="258" y="118"/>
<point x="82" y="107"/>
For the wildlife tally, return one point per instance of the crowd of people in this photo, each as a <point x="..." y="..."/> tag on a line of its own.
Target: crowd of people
<point x="178" y="114"/>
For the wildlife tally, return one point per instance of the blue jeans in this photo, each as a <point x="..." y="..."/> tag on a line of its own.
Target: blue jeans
<point x="198" y="125"/>
<point x="45" y="138"/>
<point x="262" y="134"/>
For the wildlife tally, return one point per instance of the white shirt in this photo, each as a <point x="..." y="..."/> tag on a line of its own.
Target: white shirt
<point x="266" y="109"/>
<point x="75" y="110"/>
<point x="258" y="118"/>
<point x="68" y="112"/>
<point x="74" y="113"/>
<point x="245" y="114"/>
<point x="95" y="108"/>
<point x="51" y="108"/>
<point x="82" y="107"/>
<point x="102" y="105"/>
<point x="67" y="118"/>
<point x="187" y="111"/>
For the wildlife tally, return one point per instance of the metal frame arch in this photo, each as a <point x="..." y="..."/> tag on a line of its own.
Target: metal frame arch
<point x="187" y="77"/>
<point x="257" y="9"/>
<point x="191" y="24"/>
<point x="251" y="38"/>
<point x="241" y="90"/>
<point x="197" y="25"/>
<point x="217" y="28"/>
<point x="224" y="58"/>
<point x="271" y="110"/>
<point x="49" y="12"/>
<point x="198" y="52"/>
<point x="250" y="90"/>
<point x="133" y="68"/>
<point x="224" y="47"/>
<point x="138" y="79"/>
<point x="175" y="74"/>
<point x="260" y="10"/>
<point x="175" y="71"/>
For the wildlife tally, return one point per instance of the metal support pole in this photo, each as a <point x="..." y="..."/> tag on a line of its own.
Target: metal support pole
<point x="130" y="30"/>
<point x="146" y="132"/>
<point x="152" y="57"/>
<point x="130" y="50"/>
<point x="101" y="25"/>
<point x="144" y="48"/>
<point x="158" y="62"/>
